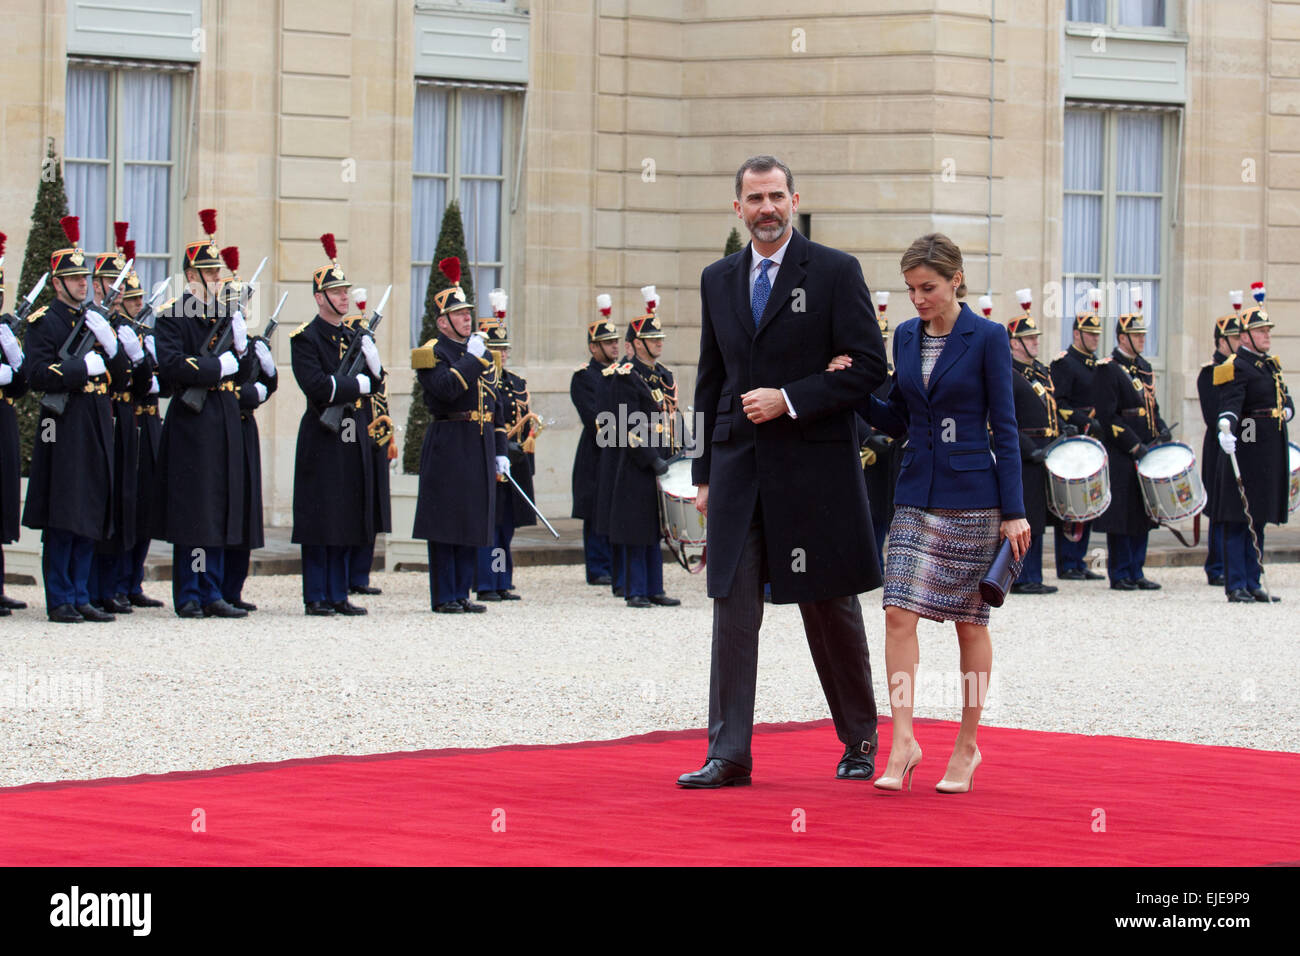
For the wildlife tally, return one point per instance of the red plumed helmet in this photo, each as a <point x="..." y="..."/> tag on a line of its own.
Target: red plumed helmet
<point x="230" y="256"/>
<point x="208" y="219"/>
<point x="3" y="240"/>
<point x="128" y="249"/>
<point x="119" y="232"/>
<point x="331" y="248"/>
<point x="450" y="267"/>
<point x="71" y="228"/>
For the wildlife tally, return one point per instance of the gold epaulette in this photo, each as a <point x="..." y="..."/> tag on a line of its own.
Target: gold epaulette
<point x="300" y="328"/>
<point x="1225" y="370"/>
<point x="623" y="369"/>
<point x="1106" y="360"/>
<point x="1061" y="354"/>
<point x="35" y="316"/>
<point x="580" y="368"/>
<point x="162" y="309"/>
<point x="609" y="369"/>
<point x="423" y="357"/>
<point x="1206" y="364"/>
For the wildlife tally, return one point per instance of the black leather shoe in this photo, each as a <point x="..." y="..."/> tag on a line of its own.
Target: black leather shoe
<point x="859" y="760"/>
<point x="1146" y="584"/>
<point x="489" y="595"/>
<point x="638" y="600"/>
<point x="1071" y="574"/>
<point x="364" y="589"/>
<point x="64" y="614"/>
<point x="10" y="604"/>
<point x="118" y="604"/>
<point x="1217" y="581"/>
<point x="222" y="609"/>
<point x="602" y="579"/>
<point x="1240" y="596"/>
<point x="449" y="607"/>
<point x="1033" y="587"/>
<point x="1092" y="575"/>
<point x="663" y="600"/>
<point x="1262" y="597"/>
<point x="189" y="609"/>
<point x="5" y="612"/>
<point x="143" y="600"/>
<point x="242" y="604"/>
<point x="471" y="607"/>
<point x="92" y="613"/>
<point x="348" y="609"/>
<point x="618" y="592"/>
<point x="714" y="774"/>
<point x="1124" y="585"/>
<point x="509" y="596"/>
<point x="318" y="609"/>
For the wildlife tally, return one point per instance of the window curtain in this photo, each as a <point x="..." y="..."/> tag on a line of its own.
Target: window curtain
<point x="1084" y="164"/>
<point x="147" y="141"/>
<point x="1141" y="13"/>
<point x="85" y="138"/>
<point x="429" y="194"/>
<point x="1086" y="11"/>
<point x="1139" y="164"/>
<point x="482" y="126"/>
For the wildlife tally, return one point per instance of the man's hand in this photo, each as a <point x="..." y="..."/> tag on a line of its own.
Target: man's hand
<point x="476" y="345"/>
<point x="838" y="363"/>
<point x="103" y="332"/>
<point x="239" y="332"/>
<point x="371" y="353"/>
<point x="263" y="353"/>
<point x="702" y="500"/>
<point x="763" y="405"/>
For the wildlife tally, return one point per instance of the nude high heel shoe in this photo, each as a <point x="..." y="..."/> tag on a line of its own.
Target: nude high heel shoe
<point x="896" y="783"/>
<point x="960" y="786"/>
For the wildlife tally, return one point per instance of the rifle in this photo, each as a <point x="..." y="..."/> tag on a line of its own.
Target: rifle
<point x="81" y="341"/>
<point x="351" y="364"/>
<point x="144" y="321"/>
<point x="221" y="339"/>
<point x="268" y="330"/>
<point x="16" y="320"/>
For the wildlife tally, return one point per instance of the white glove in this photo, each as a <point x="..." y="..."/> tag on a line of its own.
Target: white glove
<point x="153" y="385"/>
<point x="363" y="383"/>
<point x="131" y="342"/>
<point x="95" y="364"/>
<point x="148" y="344"/>
<point x="229" y="364"/>
<point x="264" y="356"/>
<point x="261" y="392"/>
<point x="103" y="332"/>
<point x="239" y="330"/>
<point x="1227" y="440"/>
<point x="6" y="375"/>
<point x="13" y="351"/>
<point x="476" y="345"/>
<point x="371" y="352"/>
<point x="503" y="465"/>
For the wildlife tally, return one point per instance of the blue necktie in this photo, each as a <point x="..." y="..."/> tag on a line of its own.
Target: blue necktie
<point x="762" y="291"/>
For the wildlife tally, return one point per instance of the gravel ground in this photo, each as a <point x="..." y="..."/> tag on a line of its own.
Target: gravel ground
<point x="153" y="693"/>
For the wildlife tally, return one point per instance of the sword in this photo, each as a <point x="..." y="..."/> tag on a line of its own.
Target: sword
<point x="1226" y="427"/>
<point x="533" y="506"/>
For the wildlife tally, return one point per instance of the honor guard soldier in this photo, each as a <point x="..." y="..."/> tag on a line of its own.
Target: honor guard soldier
<point x="494" y="579"/>
<point x="203" y="356"/>
<point x="110" y="578"/>
<point x="379" y="429"/>
<point x="148" y="426"/>
<point x="584" y="389"/>
<point x="1227" y="338"/>
<point x="1254" y="409"/>
<point x="1127" y="410"/>
<point x="879" y="452"/>
<point x="1074" y="374"/>
<point x="1039" y="425"/>
<point x="334" y="490"/>
<point x="464" y="448"/>
<point x="70" y="491"/>
<point x="252" y="393"/>
<point x="13" y="385"/>
<point x="645" y="395"/>
<point x="606" y="411"/>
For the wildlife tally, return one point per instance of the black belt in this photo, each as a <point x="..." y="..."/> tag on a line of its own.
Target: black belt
<point x="1133" y="412"/>
<point x="1039" y="432"/>
<point x="459" y="417"/>
<point x="1265" y="413"/>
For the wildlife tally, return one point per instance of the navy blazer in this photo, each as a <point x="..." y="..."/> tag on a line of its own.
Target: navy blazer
<point x="948" y="461"/>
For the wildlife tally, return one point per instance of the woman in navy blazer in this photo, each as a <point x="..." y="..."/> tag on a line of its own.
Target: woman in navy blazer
<point x="958" y="493"/>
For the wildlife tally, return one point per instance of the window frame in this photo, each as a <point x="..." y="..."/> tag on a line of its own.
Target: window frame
<point x="1113" y="26"/>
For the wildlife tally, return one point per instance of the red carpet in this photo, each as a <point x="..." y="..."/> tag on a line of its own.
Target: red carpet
<point x="1035" y="802"/>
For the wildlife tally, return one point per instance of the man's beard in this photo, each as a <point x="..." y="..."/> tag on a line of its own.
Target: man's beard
<point x="768" y="232"/>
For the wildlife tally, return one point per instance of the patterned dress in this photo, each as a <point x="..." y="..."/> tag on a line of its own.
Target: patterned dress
<point x="938" y="556"/>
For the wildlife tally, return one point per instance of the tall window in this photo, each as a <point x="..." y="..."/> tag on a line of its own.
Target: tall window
<point x="1118" y="13"/>
<point x="461" y="151"/>
<point x="1115" y="228"/>
<point x="121" y="140"/>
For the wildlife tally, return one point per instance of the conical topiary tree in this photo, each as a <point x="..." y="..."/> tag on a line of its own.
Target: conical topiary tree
<point x="451" y="242"/>
<point x="733" y="242"/>
<point x="44" y="236"/>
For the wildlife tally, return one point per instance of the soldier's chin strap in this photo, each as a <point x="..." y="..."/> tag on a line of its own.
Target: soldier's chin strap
<point x="330" y="303"/>
<point x="67" y="297"/>
<point x="1254" y="346"/>
<point x="1136" y="353"/>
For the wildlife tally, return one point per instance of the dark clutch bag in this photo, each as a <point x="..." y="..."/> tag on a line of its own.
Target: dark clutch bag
<point x="1000" y="576"/>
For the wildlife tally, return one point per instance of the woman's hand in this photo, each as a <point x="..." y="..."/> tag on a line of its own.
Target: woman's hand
<point x="1017" y="531"/>
<point x="838" y="363"/>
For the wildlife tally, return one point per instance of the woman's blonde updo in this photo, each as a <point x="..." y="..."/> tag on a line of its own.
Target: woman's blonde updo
<point x="939" y="253"/>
